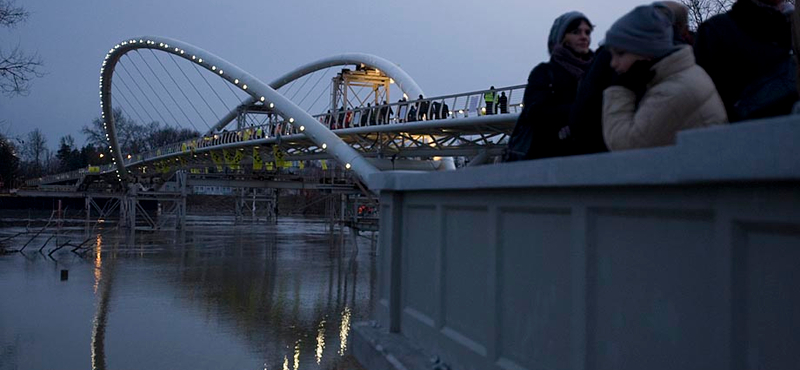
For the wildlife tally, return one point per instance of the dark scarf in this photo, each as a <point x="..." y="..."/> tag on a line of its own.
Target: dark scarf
<point x="576" y="66"/>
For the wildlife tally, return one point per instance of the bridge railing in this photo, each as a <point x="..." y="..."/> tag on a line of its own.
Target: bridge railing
<point x="469" y="104"/>
<point x="71" y="175"/>
<point x="454" y="106"/>
<point x="462" y="105"/>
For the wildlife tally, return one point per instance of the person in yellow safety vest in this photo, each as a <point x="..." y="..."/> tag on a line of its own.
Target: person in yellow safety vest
<point x="490" y="98"/>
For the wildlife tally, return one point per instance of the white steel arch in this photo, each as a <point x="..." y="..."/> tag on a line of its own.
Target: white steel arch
<point x="258" y="90"/>
<point x="404" y="82"/>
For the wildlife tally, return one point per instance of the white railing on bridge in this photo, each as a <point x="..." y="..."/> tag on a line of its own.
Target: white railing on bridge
<point x="71" y="175"/>
<point x="463" y="105"/>
<point x="447" y="107"/>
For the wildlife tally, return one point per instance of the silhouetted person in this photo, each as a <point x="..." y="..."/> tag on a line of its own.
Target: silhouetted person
<point x="436" y="108"/>
<point x="502" y="103"/>
<point x="329" y="120"/>
<point x="422" y="108"/>
<point x="402" y="110"/>
<point x="747" y="52"/>
<point x="340" y="118"/>
<point x="386" y="113"/>
<point x="365" y="113"/>
<point x="373" y="115"/>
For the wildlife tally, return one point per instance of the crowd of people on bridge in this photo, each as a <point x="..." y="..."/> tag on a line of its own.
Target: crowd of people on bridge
<point x="652" y="77"/>
<point x="421" y="109"/>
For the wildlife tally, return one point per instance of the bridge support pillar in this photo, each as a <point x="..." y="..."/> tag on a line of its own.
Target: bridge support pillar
<point x="240" y="204"/>
<point x="88" y="208"/>
<point x="272" y="206"/>
<point x="180" y="211"/>
<point x="127" y="213"/>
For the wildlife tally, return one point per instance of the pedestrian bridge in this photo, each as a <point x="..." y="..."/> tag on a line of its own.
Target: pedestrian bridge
<point x="142" y="79"/>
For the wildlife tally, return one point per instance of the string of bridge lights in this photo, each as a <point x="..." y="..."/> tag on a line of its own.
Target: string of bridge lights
<point x="115" y="53"/>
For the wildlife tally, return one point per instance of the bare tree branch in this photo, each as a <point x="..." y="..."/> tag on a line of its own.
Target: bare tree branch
<point x="17" y="68"/>
<point x="701" y="10"/>
<point x="10" y="14"/>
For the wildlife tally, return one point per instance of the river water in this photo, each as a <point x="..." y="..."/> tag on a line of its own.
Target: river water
<point x="215" y="296"/>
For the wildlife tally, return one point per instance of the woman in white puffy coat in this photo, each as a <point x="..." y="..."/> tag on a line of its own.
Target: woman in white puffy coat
<point x="660" y="89"/>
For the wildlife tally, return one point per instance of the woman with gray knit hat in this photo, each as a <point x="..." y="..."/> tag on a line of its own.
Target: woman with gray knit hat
<point x="551" y="90"/>
<point x="660" y="89"/>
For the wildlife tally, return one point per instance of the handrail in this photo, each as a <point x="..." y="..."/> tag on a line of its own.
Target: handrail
<point x="75" y="174"/>
<point x="282" y="128"/>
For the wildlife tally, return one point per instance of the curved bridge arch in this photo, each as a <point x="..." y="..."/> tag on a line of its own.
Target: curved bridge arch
<point x="403" y="80"/>
<point x="258" y="90"/>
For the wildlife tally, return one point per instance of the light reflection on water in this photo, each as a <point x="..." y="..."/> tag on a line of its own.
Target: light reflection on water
<point x="98" y="261"/>
<point x="344" y="332"/>
<point x="320" y="341"/>
<point x="215" y="296"/>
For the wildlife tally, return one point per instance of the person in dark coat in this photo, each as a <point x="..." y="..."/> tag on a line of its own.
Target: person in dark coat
<point x="386" y="113"/>
<point x="551" y="90"/>
<point x="747" y="53"/>
<point x="340" y="118"/>
<point x="402" y="110"/>
<point x="422" y="111"/>
<point x="412" y="113"/>
<point x="502" y="103"/>
<point x="373" y="115"/>
<point x="365" y="113"/>
<point x="436" y="108"/>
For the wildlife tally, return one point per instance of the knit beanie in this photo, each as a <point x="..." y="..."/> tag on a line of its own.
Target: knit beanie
<point x="646" y="31"/>
<point x="559" y="28"/>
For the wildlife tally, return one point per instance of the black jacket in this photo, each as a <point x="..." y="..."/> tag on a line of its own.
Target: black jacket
<point x="586" y="117"/>
<point x="546" y="106"/>
<point x="741" y="47"/>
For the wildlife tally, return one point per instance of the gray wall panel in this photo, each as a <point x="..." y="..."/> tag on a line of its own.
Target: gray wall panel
<point x="419" y="256"/>
<point x="466" y="269"/>
<point x="535" y="287"/>
<point x="647" y="288"/>
<point x="768" y="324"/>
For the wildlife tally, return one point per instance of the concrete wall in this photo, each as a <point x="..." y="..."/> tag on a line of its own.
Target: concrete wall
<point x="686" y="257"/>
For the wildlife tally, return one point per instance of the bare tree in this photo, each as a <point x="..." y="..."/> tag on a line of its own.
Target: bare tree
<point x="129" y="133"/>
<point x="134" y="137"/>
<point x="702" y="10"/>
<point x="35" y="148"/>
<point x="17" y="68"/>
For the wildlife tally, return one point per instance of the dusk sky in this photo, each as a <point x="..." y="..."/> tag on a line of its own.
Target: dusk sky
<point x="446" y="46"/>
